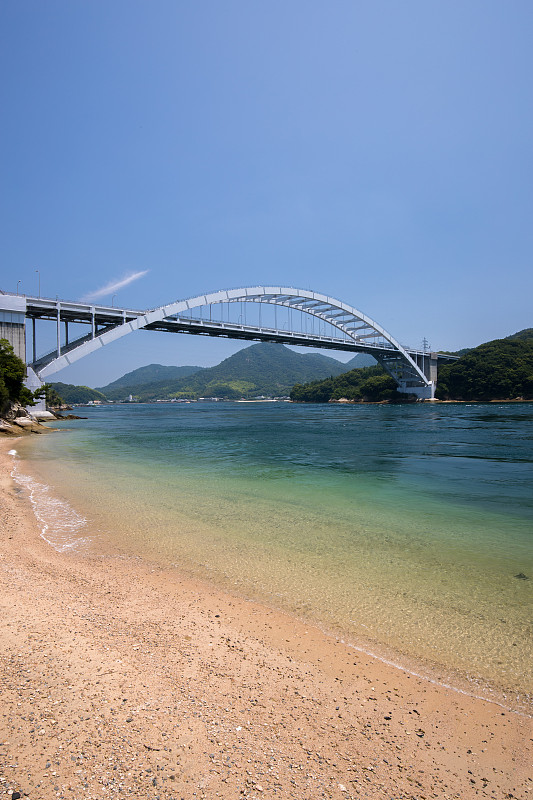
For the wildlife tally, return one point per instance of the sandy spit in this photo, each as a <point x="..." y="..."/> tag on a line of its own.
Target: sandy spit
<point x="119" y="678"/>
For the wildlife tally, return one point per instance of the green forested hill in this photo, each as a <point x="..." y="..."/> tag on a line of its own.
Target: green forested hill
<point x="262" y="369"/>
<point x="360" y="360"/>
<point x="368" y="384"/>
<point x="498" y="370"/>
<point x="525" y="335"/>
<point x="70" y="393"/>
<point x="149" y="376"/>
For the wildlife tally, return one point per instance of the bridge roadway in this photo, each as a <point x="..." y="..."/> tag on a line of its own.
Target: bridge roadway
<point x="414" y="370"/>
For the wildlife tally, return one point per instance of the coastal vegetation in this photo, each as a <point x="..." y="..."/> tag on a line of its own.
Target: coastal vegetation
<point x="12" y="374"/>
<point x="52" y="398"/>
<point x="69" y="393"/>
<point x="367" y="384"/>
<point x="497" y="370"/>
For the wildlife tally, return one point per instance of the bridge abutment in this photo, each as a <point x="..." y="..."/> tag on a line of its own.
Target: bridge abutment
<point x="13" y="323"/>
<point x="421" y="392"/>
<point x="428" y="364"/>
<point x="13" y="328"/>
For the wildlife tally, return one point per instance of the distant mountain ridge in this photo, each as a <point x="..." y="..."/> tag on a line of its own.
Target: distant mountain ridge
<point x="150" y="375"/>
<point x="261" y="369"/>
<point x="522" y="336"/>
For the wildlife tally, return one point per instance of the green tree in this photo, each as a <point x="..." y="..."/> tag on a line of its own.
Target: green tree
<point x="378" y="388"/>
<point x="51" y="396"/>
<point x="12" y="374"/>
<point x="498" y="370"/>
<point x="371" y="384"/>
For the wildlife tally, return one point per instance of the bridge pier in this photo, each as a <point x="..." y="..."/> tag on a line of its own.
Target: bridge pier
<point x="421" y="392"/>
<point x="13" y="323"/>
<point x="33" y="382"/>
<point x="13" y="328"/>
<point x="428" y="363"/>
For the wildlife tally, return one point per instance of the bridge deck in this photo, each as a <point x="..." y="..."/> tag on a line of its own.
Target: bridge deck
<point x="108" y="317"/>
<point x="340" y="327"/>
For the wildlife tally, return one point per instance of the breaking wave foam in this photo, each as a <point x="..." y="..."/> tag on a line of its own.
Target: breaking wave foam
<point x="61" y="525"/>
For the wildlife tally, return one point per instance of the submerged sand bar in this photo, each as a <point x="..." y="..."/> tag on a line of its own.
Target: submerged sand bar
<point x="122" y="678"/>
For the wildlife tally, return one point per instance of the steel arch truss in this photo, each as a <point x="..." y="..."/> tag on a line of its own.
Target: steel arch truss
<point x="359" y="332"/>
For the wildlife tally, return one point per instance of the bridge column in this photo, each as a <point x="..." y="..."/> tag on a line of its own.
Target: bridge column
<point x="13" y="328"/>
<point x="33" y="383"/>
<point x="427" y="363"/>
<point x="58" y="332"/>
<point x="13" y="323"/>
<point x="430" y="371"/>
<point x="430" y="367"/>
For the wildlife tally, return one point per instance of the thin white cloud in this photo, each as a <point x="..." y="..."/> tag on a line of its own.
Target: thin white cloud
<point x="114" y="286"/>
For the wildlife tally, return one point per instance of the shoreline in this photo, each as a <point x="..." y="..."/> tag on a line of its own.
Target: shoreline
<point x="437" y="662"/>
<point x="120" y="672"/>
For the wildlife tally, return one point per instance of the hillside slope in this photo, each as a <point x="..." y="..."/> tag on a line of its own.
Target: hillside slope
<point x="498" y="370"/>
<point x="70" y="393"/>
<point x="366" y="384"/>
<point x="261" y="369"/>
<point x="147" y="376"/>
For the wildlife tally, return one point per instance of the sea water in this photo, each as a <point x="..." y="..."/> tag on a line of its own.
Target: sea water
<point x="405" y="530"/>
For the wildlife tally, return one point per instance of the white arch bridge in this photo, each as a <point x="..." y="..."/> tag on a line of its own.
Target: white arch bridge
<point x="260" y="313"/>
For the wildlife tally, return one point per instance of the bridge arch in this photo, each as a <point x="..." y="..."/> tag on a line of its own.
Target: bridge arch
<point x="355" y="326"/>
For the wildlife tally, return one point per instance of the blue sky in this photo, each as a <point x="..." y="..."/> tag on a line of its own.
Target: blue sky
<point x="378" y="152"/>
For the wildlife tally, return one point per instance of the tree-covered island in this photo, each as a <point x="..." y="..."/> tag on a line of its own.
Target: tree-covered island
<point x="497" y="370"/>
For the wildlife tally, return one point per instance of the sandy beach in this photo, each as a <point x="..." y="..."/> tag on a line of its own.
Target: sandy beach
<point x="122" y="678"/>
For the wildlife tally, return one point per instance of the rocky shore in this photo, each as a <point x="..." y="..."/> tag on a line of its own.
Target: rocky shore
<point x="18" y="420"/>
<point x="21" y="421"/>
<point x="123" y="679"/>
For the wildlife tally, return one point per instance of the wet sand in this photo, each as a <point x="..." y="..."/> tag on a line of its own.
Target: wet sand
<point x="121" y="678"/>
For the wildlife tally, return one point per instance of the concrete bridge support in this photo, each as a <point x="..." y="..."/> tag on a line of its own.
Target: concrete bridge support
<point x="13" y="323"/>
<point x="428" y="364"/>
<point x="13" y="328"/>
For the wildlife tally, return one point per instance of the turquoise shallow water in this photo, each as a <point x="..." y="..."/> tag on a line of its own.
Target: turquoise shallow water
<point x="398" y="528"/>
